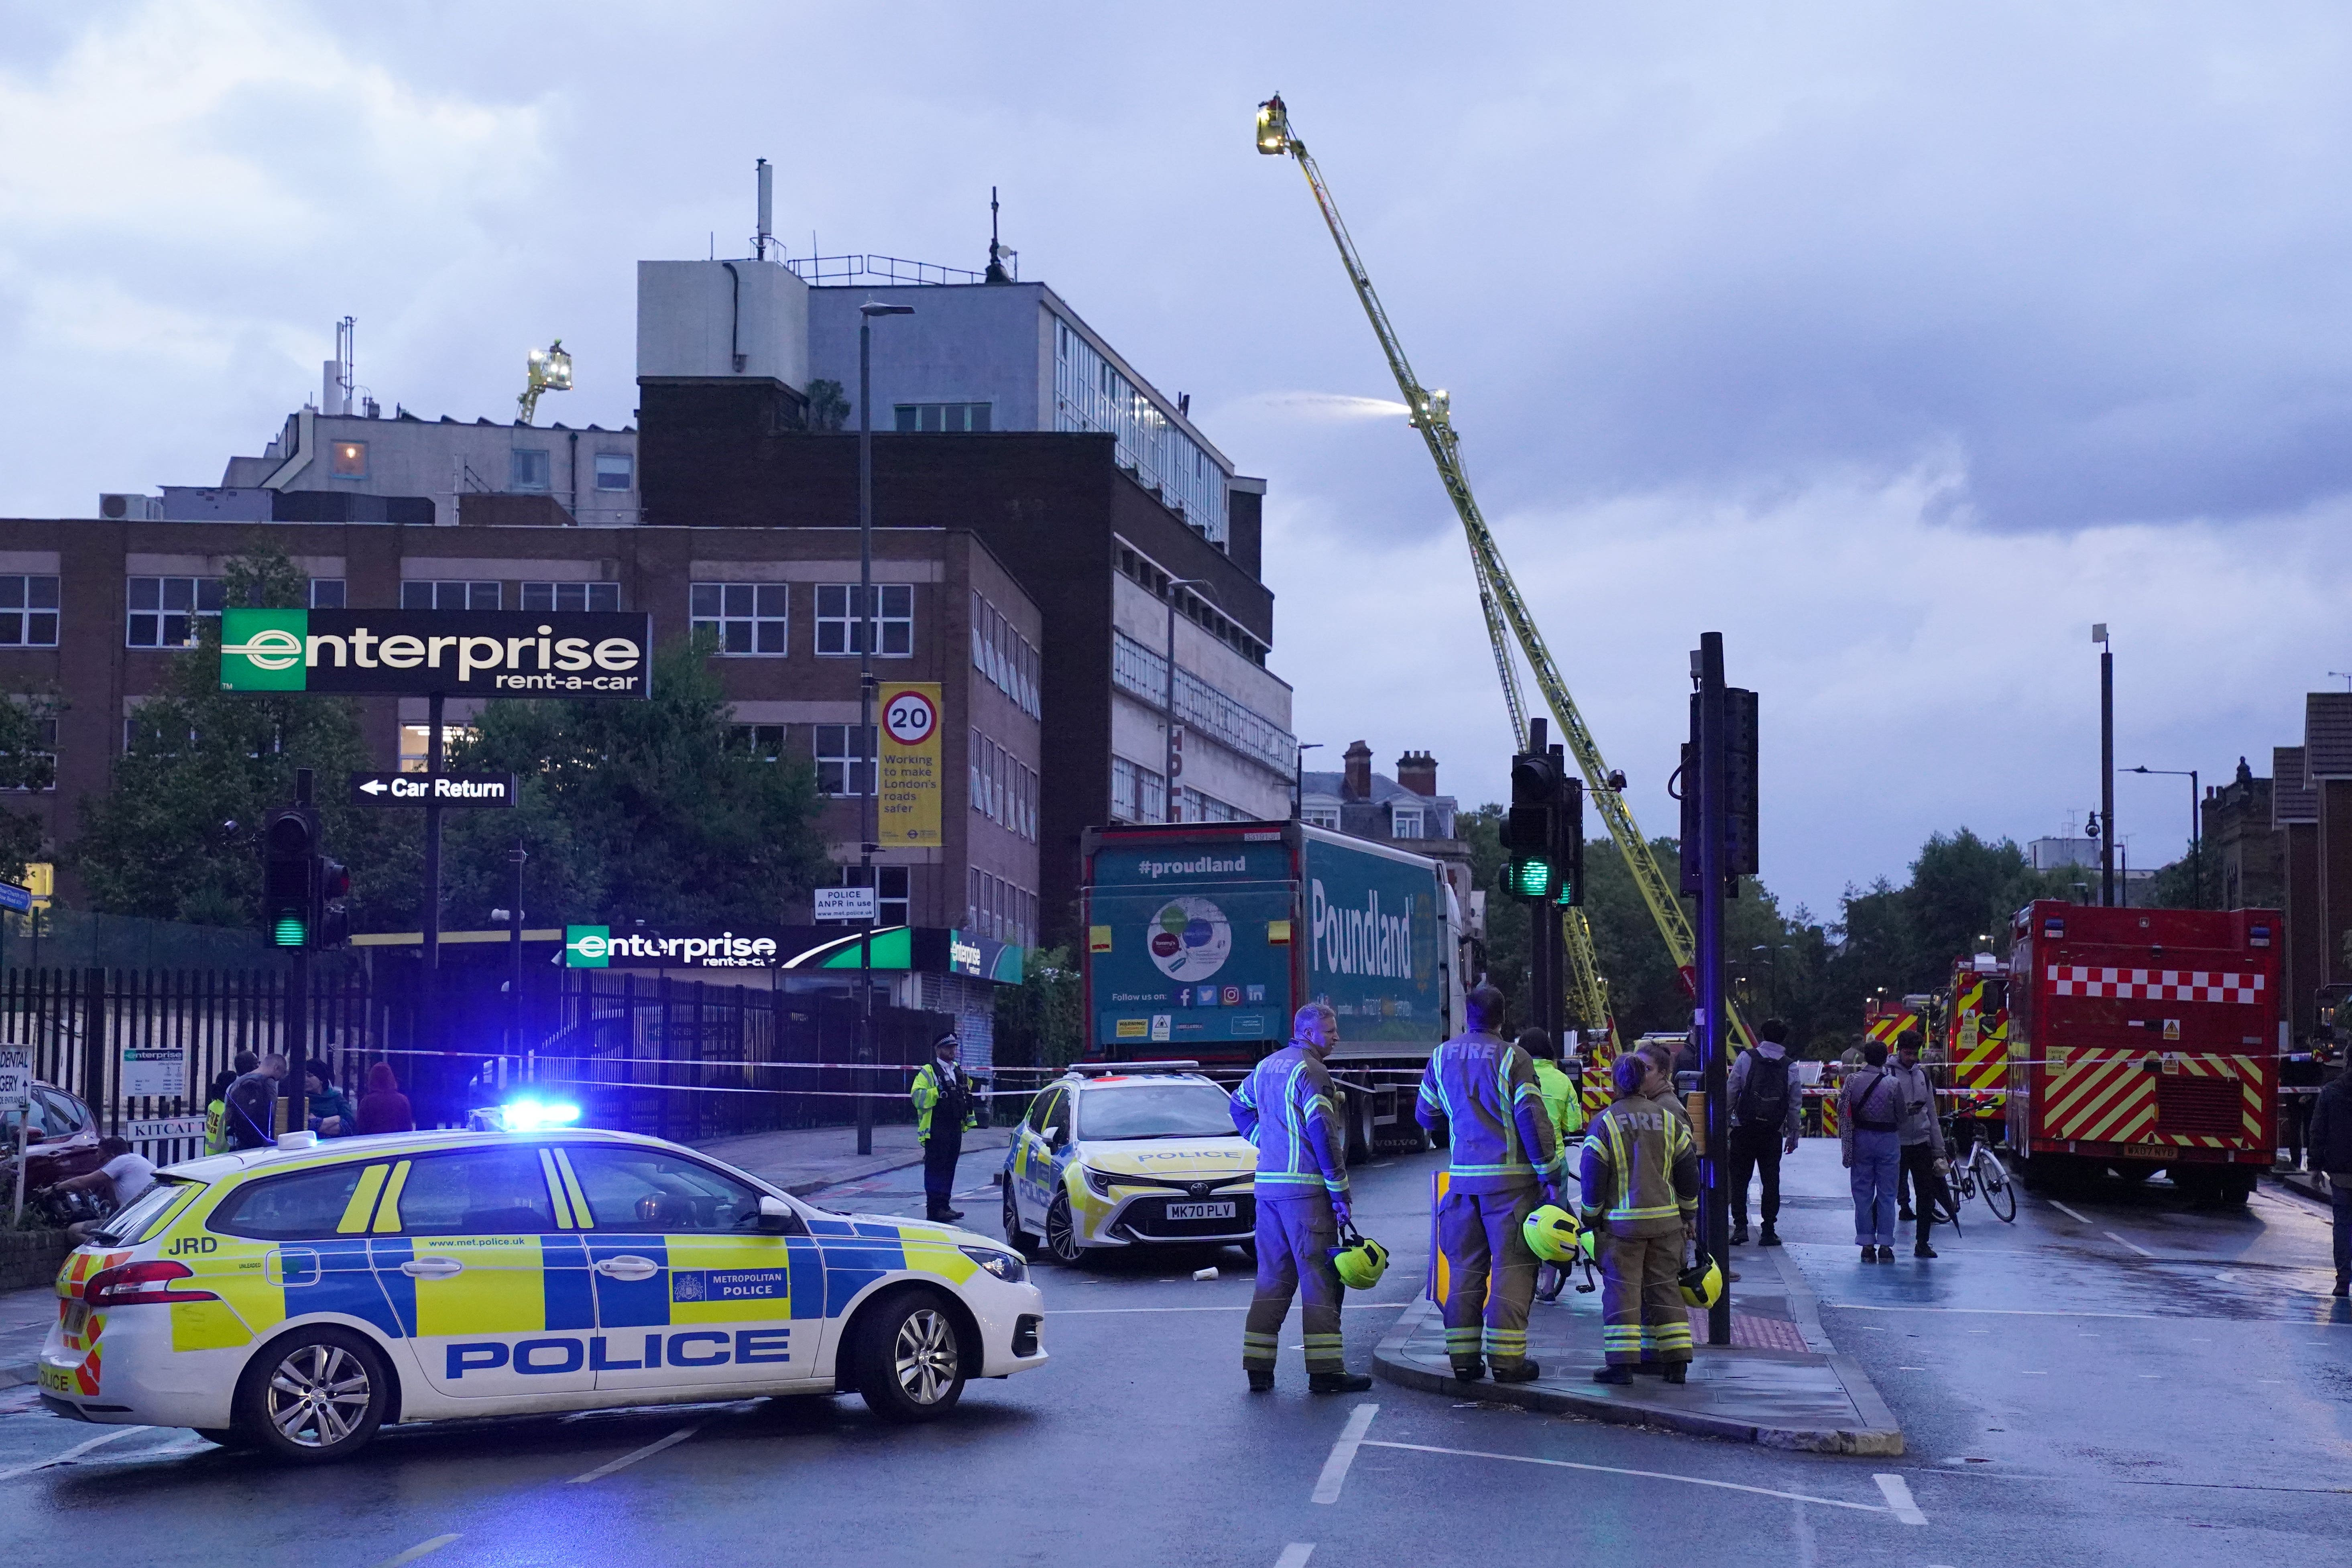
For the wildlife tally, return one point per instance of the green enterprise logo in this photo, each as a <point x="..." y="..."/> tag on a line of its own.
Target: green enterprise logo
<point x="587" y="947"/>
<point x="262" y="650"/>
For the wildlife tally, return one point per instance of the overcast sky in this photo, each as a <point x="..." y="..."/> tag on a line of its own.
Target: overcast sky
<point x="1898" y="343"/>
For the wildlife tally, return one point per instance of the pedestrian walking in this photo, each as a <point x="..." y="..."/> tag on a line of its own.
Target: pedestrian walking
<point x="943" y="1112"/>
<point x="1870" y="1139"/>
<point x="1640" y="1188"/>
<point x="1288" y="1107"/>
<point x="1767" y="1120"/>
<point x="1923" y="1164"/>
<point x="250" y="1108"/>
<point x="1479" y="1093"/>
<point x="383" y="1108"/>
<point x="2331" y="1151"/>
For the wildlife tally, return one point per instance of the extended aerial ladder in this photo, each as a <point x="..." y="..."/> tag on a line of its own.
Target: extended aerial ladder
<point x="1506" y="614"/>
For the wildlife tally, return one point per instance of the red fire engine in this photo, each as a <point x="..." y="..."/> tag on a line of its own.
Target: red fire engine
<point x="2142" y="1040"/>
<point x="1976" y="1040"/>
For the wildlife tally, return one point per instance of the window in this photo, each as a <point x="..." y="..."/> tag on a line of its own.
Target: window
<point x="995" y="907"/>
<point x="892" y="897"/>
<point x="571" y="595"/>
<point x="925" y="417"/>
<point x="1091" y="394"/>
<point x="528" y="468"/>
<point x="414" y="744"/>
<point x="1137" y="793"/>
<point x="842" y="766"/>
<point x="480" y="1192"/>
<point x="763" y="741"/>
<point x="1005" y="656"/>
<point x="1001" y="787"/>
<point x="1325" y="816"/>
<point x="450" y="597"/>
<point x="326" y="593"/>
<point x="28" y="612"/>
<point x="841" y="623"/>
<point x="646" y="1190"/>
<point x="615" y="471"/>
<point x="1192" y="806"/>
<point x="38" y="772"/>
<point x="288" y="1209"/>
<point x="749" y="619"/>
<point x="164" y="611"/>
<point x="1041" y="1115"/>
<point x="1404" y="822"/>
<point x="348" y="459"/>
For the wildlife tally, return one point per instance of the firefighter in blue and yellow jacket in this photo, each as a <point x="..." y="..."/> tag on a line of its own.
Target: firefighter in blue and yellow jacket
<point x="1480" y="1091"/>
<point x="1288" y="1107"/>
<point x="945" y="1109"/>
<point x="1639" y="1183"/>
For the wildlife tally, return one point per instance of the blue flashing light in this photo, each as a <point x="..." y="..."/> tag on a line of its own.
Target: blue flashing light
<point x="530" y="1115"/>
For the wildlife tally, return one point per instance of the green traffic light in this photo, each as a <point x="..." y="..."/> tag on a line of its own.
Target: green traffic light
<point x="1531" y="878"/>
<point x="288" y="931"/>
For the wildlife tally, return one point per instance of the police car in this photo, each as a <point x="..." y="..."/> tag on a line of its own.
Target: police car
<point x="298" y="1299"/>
<point x="1141" y="1154"/>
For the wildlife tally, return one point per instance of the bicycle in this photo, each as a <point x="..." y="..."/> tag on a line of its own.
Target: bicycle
<point x="1979" y="1174"/>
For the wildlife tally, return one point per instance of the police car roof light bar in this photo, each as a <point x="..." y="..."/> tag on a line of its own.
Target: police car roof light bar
<point x="1082" y="1068"/>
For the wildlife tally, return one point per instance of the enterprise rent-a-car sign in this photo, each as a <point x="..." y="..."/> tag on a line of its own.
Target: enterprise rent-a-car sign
<point x="460" y="652"/>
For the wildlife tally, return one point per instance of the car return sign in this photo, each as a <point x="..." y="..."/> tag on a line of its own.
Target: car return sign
<point x="458" y="653"/>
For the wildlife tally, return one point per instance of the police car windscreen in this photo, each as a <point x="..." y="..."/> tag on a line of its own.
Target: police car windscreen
<point x="1155" y="1110"/>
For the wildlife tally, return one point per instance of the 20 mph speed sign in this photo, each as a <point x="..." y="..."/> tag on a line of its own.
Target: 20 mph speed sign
<point x="911" y="716"/>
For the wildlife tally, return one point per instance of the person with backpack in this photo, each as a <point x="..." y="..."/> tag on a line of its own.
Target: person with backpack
<point x="1869" y="1135"/>
<point x="1766" y="1122"/>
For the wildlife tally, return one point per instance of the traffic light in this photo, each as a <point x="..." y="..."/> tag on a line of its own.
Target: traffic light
<point x="290" y="870"/>
<point x="1567" y="827"/>
<point x="1740" y="853"/>
<point x="1532" y="831"/>
<point x="331" y="918"/>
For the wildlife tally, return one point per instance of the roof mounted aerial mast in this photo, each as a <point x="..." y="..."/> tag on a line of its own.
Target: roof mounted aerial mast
<point x="1506" y="614"/>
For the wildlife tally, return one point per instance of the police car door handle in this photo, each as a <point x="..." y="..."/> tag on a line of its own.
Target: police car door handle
<point x="626" y="1266"/>
<point x="431" y="1267"/>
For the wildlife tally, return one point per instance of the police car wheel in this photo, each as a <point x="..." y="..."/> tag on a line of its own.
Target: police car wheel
<point x="1020" y="1240"/>
<point x="1062" y="1233"/>
<point x="909" y="1364"/>
<point x="316" y="1395"/>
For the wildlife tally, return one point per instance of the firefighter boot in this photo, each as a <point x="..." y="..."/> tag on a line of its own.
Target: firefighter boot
<point x="1520" y="1371"/>
<point x="1261" y="1380"/>
<point x="1337" y="1382"/>
<point x="1469" y="1368"/>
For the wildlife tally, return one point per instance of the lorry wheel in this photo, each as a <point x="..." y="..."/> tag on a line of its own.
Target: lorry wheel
<point x="2238" y="1188"/>
<point x="1359" y="1126"/>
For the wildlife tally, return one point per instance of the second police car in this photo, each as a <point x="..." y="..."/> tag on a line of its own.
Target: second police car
<point x="1126" y="1156"/>
<point x="299" y="1298"/>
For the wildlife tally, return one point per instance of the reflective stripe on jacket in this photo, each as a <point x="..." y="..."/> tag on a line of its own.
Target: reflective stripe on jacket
<point x="1288" y="1109"/>
<point x="929" y="1091"/>
<point x="1641" y="1169"/>
<point x="1483" y="1092"/>
<point x="1560" y="1098"/>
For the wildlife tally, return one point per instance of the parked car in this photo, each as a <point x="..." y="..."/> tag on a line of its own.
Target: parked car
<point x="64" y="1140"/>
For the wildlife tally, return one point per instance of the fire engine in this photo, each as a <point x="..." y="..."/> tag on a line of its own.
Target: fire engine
<point x="2144" y="1040"/>
<point x="1976" y="1041"/>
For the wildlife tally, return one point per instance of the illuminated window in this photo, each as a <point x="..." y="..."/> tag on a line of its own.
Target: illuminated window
<point x="952" y="417"/>
<point x="348" y="459"/>
<point x="414" y="744"/>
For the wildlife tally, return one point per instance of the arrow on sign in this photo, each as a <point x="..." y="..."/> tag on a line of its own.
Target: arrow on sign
<point x="374" y="786"/>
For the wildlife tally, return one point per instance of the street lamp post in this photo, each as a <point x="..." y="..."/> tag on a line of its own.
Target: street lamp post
<point x="1170" y="760"/>
<point x="1298" y="776"/>
<point x="2196" y="828"/>
<point x="2106" y="765"/>
<point x="866" y="754"/>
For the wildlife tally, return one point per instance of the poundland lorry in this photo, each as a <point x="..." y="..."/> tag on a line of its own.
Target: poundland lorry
<point x="1202" y="939"/>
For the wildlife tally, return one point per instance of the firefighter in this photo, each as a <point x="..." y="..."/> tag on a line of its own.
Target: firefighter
<point x="1563" y="1100"/>
<point x="1479" y="1092"/>
<point x="1641" y="1191"/>
<point x="944" y="1106"/>
<point x="1288" y="1107"/>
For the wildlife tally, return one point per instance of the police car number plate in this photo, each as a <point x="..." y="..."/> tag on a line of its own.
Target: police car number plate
<point x="1201" y="1211"/>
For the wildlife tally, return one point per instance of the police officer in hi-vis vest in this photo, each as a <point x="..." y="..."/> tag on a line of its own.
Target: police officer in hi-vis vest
<point x="944" y="1108"/>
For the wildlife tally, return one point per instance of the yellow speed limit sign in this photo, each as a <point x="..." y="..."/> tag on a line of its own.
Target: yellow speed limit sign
<point x="908" y="782"/>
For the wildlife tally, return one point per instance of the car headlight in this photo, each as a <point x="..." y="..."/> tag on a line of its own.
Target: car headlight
<point x="1006" y="1266"/>
<point x="1099" y="1181"/>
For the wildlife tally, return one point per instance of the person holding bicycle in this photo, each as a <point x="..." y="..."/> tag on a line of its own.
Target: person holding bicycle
<point x="1921" y="1129"/>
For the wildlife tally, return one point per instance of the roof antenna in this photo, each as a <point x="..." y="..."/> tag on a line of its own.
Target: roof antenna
<point x="761" y="241"/>
<point x="997" y="254"/>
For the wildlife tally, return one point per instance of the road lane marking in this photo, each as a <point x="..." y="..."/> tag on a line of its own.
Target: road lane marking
<point x="1296" y="1555"/>
<point x="76" y="1452"/>
<point x="2135" y="1246"/>
<point x="1343" y="1454"/>
<point x="625" y="1460"/>
<point x="1899" y="1498"/>
<point x="422" y="1549"/>
<point x="1619" y="1470"/>
<point x="1235" y="1307"/>
<point x="2069" y="1213"/>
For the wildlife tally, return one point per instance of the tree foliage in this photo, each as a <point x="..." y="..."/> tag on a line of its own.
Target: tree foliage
<point x="1040" y="1022"/>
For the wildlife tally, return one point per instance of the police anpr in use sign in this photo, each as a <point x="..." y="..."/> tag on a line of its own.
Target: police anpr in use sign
<point x="433" y="789"/>
<point x="460" y="653"/>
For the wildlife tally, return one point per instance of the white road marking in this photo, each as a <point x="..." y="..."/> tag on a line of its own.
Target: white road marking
<point x="1296" y="1555"/>
<point x="76" y="1452"/>
<point x="2135" y="1246"/>
<point x="1618" y="1471"/>
<point x="1899" y="1498"/>
<point x="1234" y="1307"/>
<point x="422" y="1549"/>
<point x="2012" y="1312"/>
<point x="2069" y="1213"/>
<point x="625" y="1460"/>
<point x="1343" y="1454"/>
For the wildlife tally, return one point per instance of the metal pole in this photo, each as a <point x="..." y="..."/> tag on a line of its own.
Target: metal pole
<point x="1168" y="719"/>
<point x="2107" y="776"/>
<point x="861" y="753"/>
<point x="432" y="912"/>
<point x="298" y="988"/>
<point x="2196" y="843"/>
<point x="515" y="857"/>
<point x="1715" y="1217"/>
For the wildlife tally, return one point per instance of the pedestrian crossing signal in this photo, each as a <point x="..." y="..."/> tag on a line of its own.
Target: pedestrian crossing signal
<point x="1543" y="835"/>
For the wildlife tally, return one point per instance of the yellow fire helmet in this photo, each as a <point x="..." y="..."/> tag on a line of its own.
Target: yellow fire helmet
<point x="1359" y="1260"/>
<point x="1551" y="1231"/>
<point x="1702" y="1282"/>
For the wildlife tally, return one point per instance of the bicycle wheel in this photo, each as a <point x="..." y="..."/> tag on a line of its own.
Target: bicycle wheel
<point x="1992" y="1180"/>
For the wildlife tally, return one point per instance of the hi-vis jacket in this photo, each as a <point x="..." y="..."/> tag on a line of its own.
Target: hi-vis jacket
<point x="931" y="1086"/>
<point x="1641" y="1170"/>
<point x="1500" y="1136"/>
<point x="1287" y="1108"/>
<point x="1562" y="1097"/>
